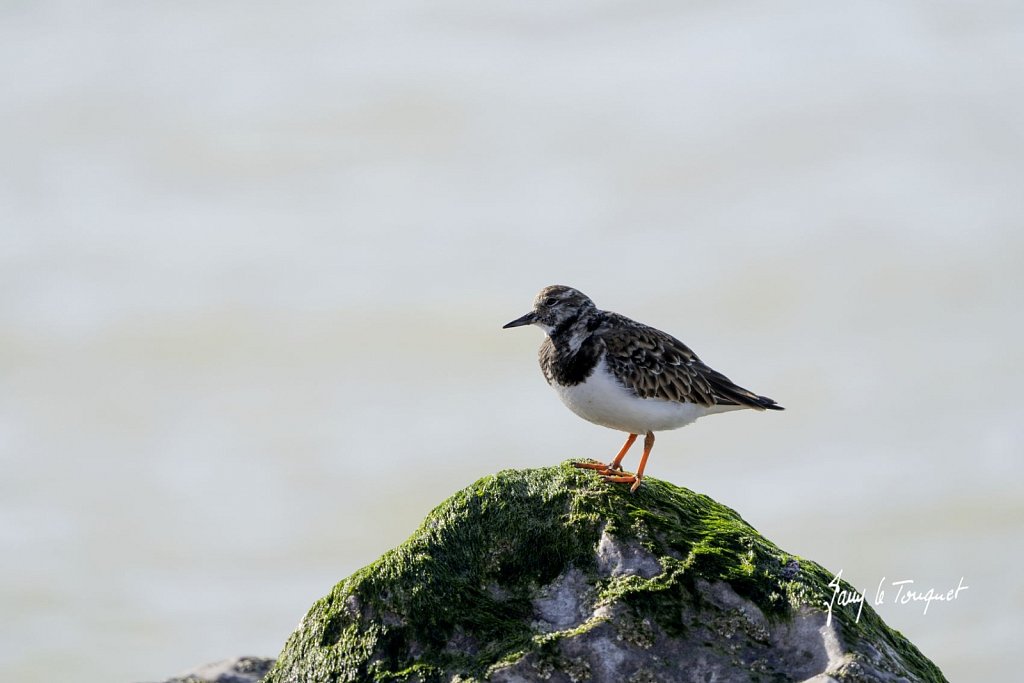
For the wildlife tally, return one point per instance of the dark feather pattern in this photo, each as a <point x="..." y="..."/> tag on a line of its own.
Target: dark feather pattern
<point x="561" y="366"/>
<point x="657" y="365"/>
<point x="646" y="360"/>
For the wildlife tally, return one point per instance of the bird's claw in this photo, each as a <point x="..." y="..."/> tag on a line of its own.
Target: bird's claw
<point x="601" y="468"/>
<point x="619" y="478"/>
<point x="612" y="473"/>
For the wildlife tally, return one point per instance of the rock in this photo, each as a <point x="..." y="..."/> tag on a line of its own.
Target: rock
<point x="237" y="670"/>
<point x="551" y="574"/>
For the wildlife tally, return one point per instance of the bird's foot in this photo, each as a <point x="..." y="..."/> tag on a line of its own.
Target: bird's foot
<point x="601" y="468"/>
<point x="622" y="478"/>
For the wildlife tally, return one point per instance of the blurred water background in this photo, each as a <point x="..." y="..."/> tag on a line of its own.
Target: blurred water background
<point x="255" y="258"/>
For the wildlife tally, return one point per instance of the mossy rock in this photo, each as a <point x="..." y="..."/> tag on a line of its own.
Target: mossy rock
<point x="552" y="574"/>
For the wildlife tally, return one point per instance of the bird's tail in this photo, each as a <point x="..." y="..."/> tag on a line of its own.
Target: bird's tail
<point x="766" y="403"/>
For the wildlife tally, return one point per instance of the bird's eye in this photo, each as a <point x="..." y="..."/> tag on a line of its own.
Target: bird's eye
<point x="550" y="301"/>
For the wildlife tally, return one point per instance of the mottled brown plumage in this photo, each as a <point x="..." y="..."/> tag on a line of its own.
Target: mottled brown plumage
<point x="657" y="365"/>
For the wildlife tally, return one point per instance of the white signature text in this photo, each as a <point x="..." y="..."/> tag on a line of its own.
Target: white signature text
<point x="905" y="593"/>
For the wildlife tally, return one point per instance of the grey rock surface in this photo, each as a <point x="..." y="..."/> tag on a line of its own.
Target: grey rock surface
<point x="235" y="670"/>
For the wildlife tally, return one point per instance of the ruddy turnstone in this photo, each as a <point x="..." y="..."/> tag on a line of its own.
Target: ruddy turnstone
<point x="624" y="375"/>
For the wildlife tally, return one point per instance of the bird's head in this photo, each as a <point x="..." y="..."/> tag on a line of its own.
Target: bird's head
<point x="555" y="308"/>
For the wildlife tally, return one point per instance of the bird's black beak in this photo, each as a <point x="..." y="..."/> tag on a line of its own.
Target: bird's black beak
<point x="527" y="319"/>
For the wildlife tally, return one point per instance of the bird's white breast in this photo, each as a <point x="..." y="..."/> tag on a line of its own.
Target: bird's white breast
<point x="603" y="400"/>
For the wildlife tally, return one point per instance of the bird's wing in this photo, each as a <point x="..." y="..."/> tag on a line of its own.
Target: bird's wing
<point x="657" y="365"/>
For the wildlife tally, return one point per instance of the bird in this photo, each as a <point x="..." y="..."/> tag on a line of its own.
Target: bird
<point x="627" y="376"/>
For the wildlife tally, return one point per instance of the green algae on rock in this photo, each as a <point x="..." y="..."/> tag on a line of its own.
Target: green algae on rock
<point x="550" y="574"/>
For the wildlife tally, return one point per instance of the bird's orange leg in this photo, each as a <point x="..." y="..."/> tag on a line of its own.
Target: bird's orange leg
<point x="616" y="464"/>
<point x="633" y="479"/>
